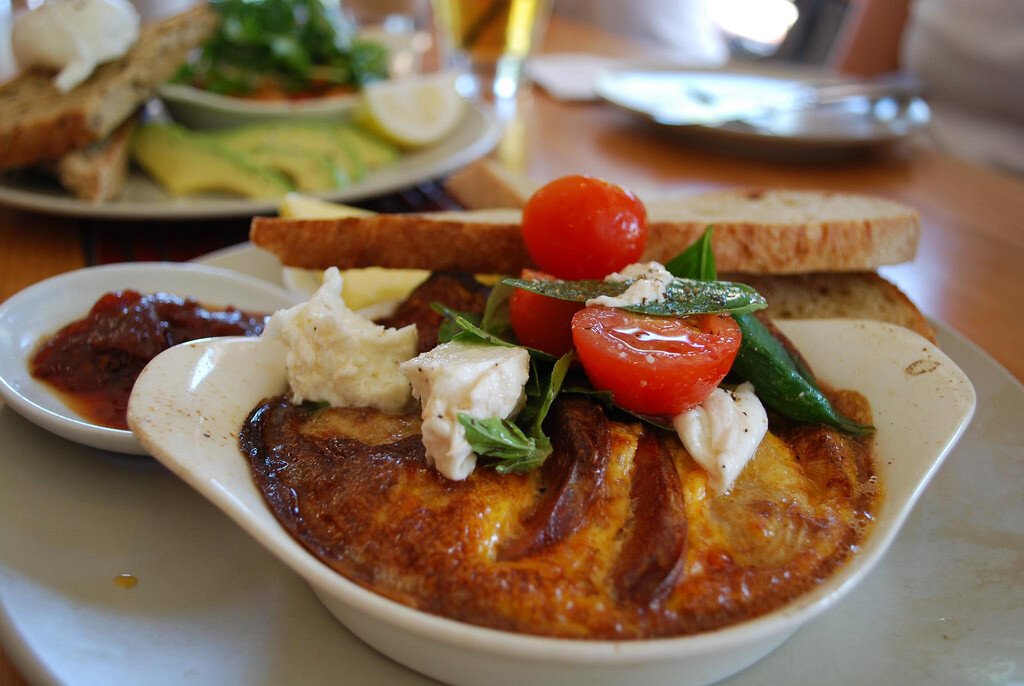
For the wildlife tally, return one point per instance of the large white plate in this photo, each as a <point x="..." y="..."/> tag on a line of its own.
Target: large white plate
<point x="144" y="199"/>
<point x="754" y="110"/>
<point x="212" y="607"/>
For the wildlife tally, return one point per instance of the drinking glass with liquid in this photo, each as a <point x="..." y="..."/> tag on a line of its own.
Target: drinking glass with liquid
<point x="489" y="41"/>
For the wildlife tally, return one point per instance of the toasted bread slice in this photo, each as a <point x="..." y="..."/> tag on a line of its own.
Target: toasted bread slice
<point x="97" y="172"/>
<point x="484" y="242"/>
<point x="39" y="123"/>
<point x="487" y="184"/>
<point x="853" y="295"/>
<point x="774" y="232"/>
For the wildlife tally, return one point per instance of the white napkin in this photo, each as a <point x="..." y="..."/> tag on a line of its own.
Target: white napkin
<point x="568" y="75"/>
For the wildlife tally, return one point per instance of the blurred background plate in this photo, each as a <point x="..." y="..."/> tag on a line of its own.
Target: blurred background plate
<point x="769" y="112"/>
<point x="142" y="198"/>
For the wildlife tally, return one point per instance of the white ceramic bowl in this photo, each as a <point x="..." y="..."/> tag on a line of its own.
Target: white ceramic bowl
<point x="921" y="402"/>
<point x="199" y="109"/>
<point x="29" y="317"/>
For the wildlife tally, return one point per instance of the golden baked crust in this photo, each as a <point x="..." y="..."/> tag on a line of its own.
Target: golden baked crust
<point x="626" y="542"/>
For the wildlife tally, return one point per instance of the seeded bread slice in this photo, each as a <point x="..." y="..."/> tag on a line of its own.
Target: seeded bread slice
<point x="756" y="231"/>
<point x="773" y="232"/>
<point x="97" y="172"/>
<point x="486" y="184"/>
<point x="39" y="123"/>
<point x="853" y="295"/>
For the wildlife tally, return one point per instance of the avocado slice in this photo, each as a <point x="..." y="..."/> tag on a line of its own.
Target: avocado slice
<point x="309" y="170"/>
<point x="374" y="150"/>
<point x="183" y="163"/>
<point x="318" y="137"/>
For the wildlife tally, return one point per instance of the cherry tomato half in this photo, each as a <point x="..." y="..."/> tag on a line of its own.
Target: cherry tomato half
<point x="579" y="227"/>
<point x="655" y="365"/>
<point x="539" y="321"/>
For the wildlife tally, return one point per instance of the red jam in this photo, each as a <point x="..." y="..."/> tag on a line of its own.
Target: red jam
<point x="94" y="361"/>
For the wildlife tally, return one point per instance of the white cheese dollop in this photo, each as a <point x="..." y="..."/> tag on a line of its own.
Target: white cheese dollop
<point x="481" y="380"/>
<point x="652" y="280"/>
<point x="723" y="432"/>
<point x="72" y="37"/>
<point x="338" y="356"/>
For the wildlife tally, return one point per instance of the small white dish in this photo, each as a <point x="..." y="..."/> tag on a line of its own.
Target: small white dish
<point x="921" y="402"/>
<point x="30" y="316"/>
<point x="201" y="109"/>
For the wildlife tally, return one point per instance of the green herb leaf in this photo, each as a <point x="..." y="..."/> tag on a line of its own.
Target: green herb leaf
<point x="298" y="45"/>
<point x="607" y="399"/>
<point x="765" y="362"/>
<point x="520" y="446"/>
<point x="781" y="381"/>
<point x="464" y="329"/>
<point x="503" y="446"/>
<point x="497" y="437"/>
<point x="683" y="297"/>
<point x="496" y="319"/>
<point x="552" y="385"/>
<point x="697" y="261"/>
<point x="449" y="329"/>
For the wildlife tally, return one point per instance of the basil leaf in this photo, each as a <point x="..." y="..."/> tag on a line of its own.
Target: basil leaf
<point x="604" y="398"/>
<point x="504" y="445"/>
<point x="607" y="399"/>
<point x="697" y="261"/>
<point x="496" y="437"/>
<point x="764" y="362"/>
<point x="683" y="297"/>
<point x="465" y="329"/>
<point x="781" y="381"/>
<point x="555" y="378"/>
<point x="449" y="329"/>
<point x="496" y="319"/>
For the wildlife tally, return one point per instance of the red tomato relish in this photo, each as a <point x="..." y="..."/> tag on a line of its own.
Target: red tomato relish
<point x="93" y="362"/>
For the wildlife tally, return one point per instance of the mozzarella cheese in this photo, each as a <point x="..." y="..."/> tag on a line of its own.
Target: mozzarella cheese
<point x="337" y="356"/>
<point x="723" y="432"/>
<point x="650" y="284"/>
<point x="481" y="380"/>
<point x="72" y="37"/>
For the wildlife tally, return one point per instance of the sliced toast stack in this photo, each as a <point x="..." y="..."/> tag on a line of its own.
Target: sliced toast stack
<point x="812" y="254"/>
<point x="83" y="134"/>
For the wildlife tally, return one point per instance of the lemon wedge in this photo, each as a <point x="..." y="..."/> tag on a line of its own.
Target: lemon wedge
<point x="412" y="112"/>
<point x="361" y="288"/>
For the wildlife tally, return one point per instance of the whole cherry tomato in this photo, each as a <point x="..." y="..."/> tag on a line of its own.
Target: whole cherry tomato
<point x="655" y="365"/>
<point x="579" y="227"/>
<point x="539" y="321"/>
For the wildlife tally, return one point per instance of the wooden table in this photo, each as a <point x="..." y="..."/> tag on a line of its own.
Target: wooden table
<point x="965" y="275"/>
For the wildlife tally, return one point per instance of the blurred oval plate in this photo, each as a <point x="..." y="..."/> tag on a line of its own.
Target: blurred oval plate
<point x="199" y="109"/>
<point x="142" y="198"/>
<point x="779" y="113"/>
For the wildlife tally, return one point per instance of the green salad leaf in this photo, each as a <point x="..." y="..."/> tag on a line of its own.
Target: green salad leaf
<point x="296" y="46"/>
<point x="781" y="381"/>
<point x="683" y="296"/>
<point x="519" y="446"/>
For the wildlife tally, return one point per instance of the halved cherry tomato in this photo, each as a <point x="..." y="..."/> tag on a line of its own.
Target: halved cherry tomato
<point x="579" y="227"/>
<point x="539" y="321"/>
<point x="655" y="365"/>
